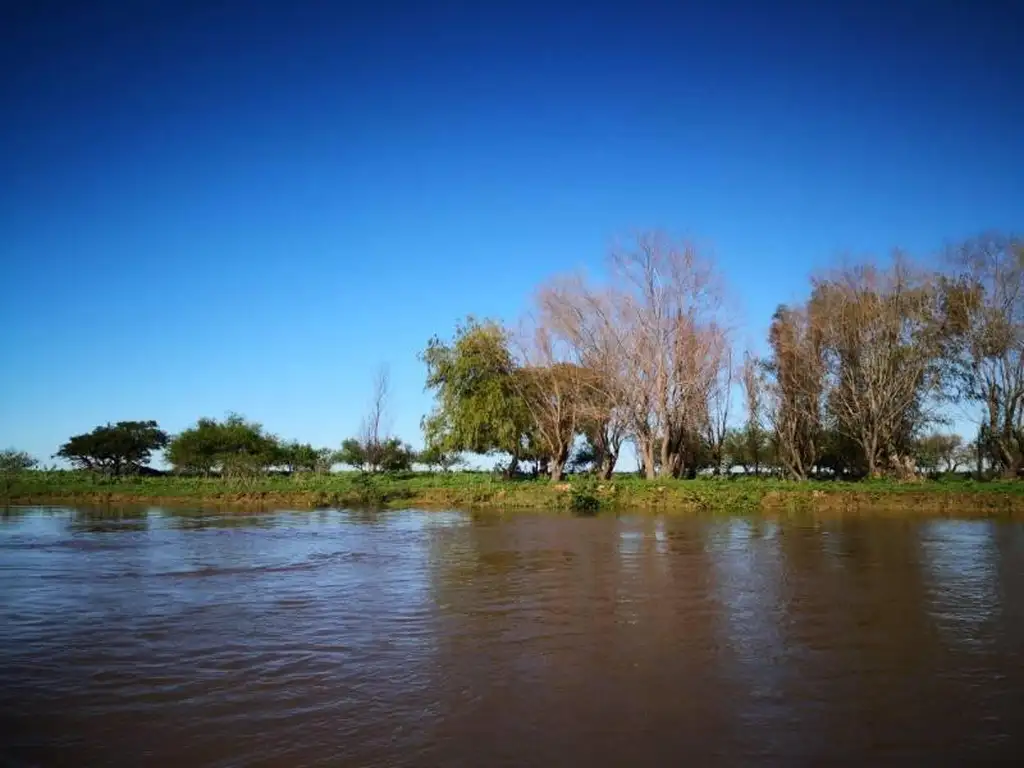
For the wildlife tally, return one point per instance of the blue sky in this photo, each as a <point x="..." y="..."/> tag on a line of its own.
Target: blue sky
<point x="214" y="206"/>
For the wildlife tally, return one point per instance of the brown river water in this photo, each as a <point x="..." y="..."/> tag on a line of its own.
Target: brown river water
<point x="446" y="639"/>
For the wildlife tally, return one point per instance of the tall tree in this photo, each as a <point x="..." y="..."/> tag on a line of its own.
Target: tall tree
<point x="752" y="381"/>
<point x="716" y="428"/>
<point x="882" y="343"/>
<point x="984" y="303"/>
<point x="655" y="332"/>
<point x="795" y="390"/>
<point x="581" y="318"/>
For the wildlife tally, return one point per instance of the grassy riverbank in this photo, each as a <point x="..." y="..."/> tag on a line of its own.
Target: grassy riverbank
<point x="469" y="490"/>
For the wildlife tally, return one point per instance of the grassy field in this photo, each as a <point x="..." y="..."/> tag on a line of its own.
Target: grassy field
<point x="472" y="490"/>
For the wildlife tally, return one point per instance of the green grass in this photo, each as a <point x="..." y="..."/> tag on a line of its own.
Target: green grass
<point x="580" y="495"/>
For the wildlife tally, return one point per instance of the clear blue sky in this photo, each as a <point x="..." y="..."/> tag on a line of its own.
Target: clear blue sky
<point x="213" y="206"/>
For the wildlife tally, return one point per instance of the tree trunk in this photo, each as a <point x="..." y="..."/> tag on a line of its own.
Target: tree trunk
<point x="510" y="470"/>
<point x="675" y="465"/>
<point x="607" y="465"/>
<point x="555" y="469"/>
<point x="667" y="456"/>
<point x="646" y="447"/>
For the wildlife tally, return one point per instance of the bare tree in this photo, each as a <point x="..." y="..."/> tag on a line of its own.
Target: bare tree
<point x="795" y="391"/>
<point x="653" y="336"/>
<point x="553" y="390"/>
<point x="752" y="381"/>
<point x="985" y="318"/>
<point x="880" y="332"/>
<point x="668" y="299"/>
<point x="376" y="425"/>
<point x="583" y="321"/>
<point x="717" y="422"/>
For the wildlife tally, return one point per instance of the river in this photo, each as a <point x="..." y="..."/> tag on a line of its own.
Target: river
<point x="158" y="638"/>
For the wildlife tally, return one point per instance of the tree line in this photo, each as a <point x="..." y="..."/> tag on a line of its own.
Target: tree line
<point x="235" y="447"/>
<point x="858" y="380"/>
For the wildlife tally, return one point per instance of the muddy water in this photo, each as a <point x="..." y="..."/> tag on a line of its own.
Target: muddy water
<point x="442" y="639"/>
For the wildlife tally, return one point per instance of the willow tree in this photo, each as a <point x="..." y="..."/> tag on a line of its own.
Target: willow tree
<point x="478" y="401"/>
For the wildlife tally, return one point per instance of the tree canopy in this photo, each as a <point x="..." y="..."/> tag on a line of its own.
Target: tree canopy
<point x="479" y="404"/>
<point x="233" y="447"/>
<point x="115" y="449"/>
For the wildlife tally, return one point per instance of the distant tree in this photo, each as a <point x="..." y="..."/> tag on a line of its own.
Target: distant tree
<point x="936" y="452"/>
<point x="716" y="418"/>
<point x="479" y="406"/>
<point x="752" y="381"/>
<point x="234" y="447"/>
<point x="839" y="455"/>
<point x="736" y="451"/>
<point x="297" y="457"/>
<point x="374" y="450"/>
<point x="326" y="458"/>
<point x="13" y="463"/>
<point x="436" y="459"/>
<point x="353" y="454"/>
<point x="115" y="449"/>
<point x="390" y="455"/>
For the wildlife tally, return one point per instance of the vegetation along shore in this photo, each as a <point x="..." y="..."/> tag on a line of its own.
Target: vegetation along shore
<point x="855" y="400"/>
<point x="578" y="494"/>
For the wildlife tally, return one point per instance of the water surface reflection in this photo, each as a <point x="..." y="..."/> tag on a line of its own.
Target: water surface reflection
<point x="414" y="638"/>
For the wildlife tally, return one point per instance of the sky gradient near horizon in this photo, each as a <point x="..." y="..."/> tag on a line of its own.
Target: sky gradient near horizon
<point x="248" y="206"/>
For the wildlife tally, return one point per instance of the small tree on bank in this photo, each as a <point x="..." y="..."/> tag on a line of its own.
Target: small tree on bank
<point x="12" y="464"/>
<point x="374" y="450"/>
<point x="115" y="449"/>
<point x="233" y="447"/>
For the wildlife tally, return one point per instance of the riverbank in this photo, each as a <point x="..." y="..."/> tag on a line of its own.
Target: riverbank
<point x="475" y="490"/>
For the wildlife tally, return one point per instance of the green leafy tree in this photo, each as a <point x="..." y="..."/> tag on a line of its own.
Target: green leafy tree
<point x="233" y="447"/>
<point x="389" y="455"/>
<point x="479" y="405"/>
<point x="437" y="459"/>
<point x="115" y="449"/>
<point x="197" y="449"/>
<point x="13" y="463"/>
<point x="297" y="457"/>
<point x="937" y="452"/>
<point x="326" y="458"/>
<point x="375" y="450"/>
